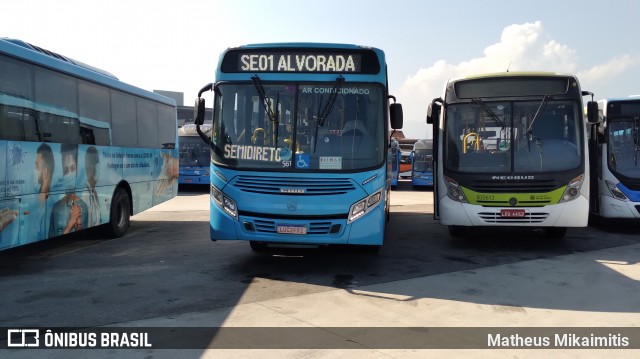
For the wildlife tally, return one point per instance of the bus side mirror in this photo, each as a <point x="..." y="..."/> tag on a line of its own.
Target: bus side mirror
<point x="593" y="114"/>
<point x="198" y="108"/>
<point x="395" y="112"/>
<point x="433" y="112"/>
<point x="198" y="111"/>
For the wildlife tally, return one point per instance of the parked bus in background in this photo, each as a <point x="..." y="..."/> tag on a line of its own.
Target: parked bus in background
<point x="195" y="155"/>
<point x="422" y="164"/>
<point x="511" y="150"/>
<point x="615" y="162"/>
<point x="299" y="145"/>
<point x="405" y="163"/>
<point x="394" y="158"/>
<point x="185" y="115"/>
<point x="78" y="148"/>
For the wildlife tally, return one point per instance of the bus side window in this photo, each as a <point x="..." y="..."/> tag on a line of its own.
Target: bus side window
<point x="11" y="124"/>
<point x="87" y="136"/>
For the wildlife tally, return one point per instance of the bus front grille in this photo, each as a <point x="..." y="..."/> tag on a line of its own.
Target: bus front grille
<point x="294" y="186"/>
<point x="267" y="226"/>
<point x="529" y="217"/>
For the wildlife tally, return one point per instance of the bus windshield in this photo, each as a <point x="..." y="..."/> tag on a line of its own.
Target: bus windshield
<point x="423" y="160"/>
<point x="394" y="155"/>
<point x="502" y="136"/>
<point x="623" y="147"/>
<point x="193" y="152"/>
<point x="275" y="126"/>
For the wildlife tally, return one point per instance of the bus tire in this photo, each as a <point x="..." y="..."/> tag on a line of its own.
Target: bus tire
<point x="119" y="214"/>
<point x="258" y="247"/>
<point x="369" y="249"/>
<point x="457" y="231"/>
<point x="555" y="232"/>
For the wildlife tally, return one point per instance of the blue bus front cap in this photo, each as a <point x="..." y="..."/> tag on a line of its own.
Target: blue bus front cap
<point x="366" y="230"/>
<point x="295" y="208"/>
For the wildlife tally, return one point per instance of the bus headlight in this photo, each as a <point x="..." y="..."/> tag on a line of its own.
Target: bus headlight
<point x="363" y="206"/>
<point x="454" y="191"/>
<point x="615" y="191"/>
<point x="573" y="189"/>
<point x="225" y="203"/>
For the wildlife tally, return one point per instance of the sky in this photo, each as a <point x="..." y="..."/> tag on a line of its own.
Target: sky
<point x="175" y="45"/>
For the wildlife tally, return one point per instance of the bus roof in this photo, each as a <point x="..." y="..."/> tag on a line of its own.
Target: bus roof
<point x="326" y="45"/>
<point x="620" y="99"/>
<point x="511" y="74"/>
<point x="423" y="144"/>
<point x="190" y="129"/>
<point x="37" y="55"/>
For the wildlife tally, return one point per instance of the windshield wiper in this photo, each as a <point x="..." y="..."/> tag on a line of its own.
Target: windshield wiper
<point x="322" y="116"/>
<point x="323" y="112"/>
<point x="272" y="114"/>
<point x="264" y="100"/>
<point x="489" y="111"/>
<point x="544" y="102"/>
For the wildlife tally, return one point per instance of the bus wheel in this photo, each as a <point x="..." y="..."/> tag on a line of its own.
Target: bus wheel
<point x="119" y="214"/>
<point x="457" y="231"/>
<point x="369" y="249"/>
<point x="555" y="232"/>
<point x="258" y="246"/>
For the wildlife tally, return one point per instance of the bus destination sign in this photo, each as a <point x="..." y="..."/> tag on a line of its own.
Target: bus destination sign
<point x="299" y="62"/>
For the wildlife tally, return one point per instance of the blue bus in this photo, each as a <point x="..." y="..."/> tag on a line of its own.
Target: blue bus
<point x="615" y="159"/>
<point x="394" y="158"/>
<point x="422" y="164"/>
<point x="78" y="148"/>
<point x="194" y="156"/>
<point x="299" y="145"/>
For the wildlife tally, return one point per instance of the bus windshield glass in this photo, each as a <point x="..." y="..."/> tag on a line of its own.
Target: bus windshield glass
<point x="275" y="126"/>
<point x="623" y="146"/>
<point x="394" y="155"/>
<point x="502" y="136"/>
<point x="193" y="152"/>
<point x="423" y="160"/>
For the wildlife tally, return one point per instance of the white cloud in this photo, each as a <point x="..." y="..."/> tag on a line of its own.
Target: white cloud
<point x="604" y="71"/>
<point x="522" y="47"/>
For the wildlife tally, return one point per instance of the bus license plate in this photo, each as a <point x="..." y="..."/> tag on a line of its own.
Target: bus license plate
<point x="512" y="213"/>
<point x="292" y="229"/>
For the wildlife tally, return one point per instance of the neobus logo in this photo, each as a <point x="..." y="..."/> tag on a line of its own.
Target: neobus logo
<point x="512" y="178"/>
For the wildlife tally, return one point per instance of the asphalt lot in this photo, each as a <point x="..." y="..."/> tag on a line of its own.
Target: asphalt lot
<point x="166" y="270"/>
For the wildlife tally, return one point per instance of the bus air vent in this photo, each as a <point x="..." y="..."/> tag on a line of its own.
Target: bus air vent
<point x="294" y="185"/>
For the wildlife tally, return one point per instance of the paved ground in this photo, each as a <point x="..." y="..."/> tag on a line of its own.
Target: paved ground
<point x="165" y="273"/>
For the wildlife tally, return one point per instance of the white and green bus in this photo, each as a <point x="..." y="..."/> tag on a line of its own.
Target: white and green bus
<point x="511" y="150"/>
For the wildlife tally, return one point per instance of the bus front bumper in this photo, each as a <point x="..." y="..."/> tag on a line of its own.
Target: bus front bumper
<point x="613" y="208"/>
<point x="569" y="214"/>
<point x="367" y="230"/>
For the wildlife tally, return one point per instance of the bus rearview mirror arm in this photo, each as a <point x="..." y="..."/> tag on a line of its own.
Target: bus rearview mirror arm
<point x="396" y="117"/>
<point x="433" y="111"/>
<point x="593" y="113"/>
<point x="199" y="110"/>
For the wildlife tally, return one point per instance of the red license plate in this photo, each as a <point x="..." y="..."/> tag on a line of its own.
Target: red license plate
<point x="512" y="213"/>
